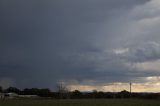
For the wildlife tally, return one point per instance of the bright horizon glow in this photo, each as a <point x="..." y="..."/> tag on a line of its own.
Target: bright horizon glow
<point x="117" y="87"/>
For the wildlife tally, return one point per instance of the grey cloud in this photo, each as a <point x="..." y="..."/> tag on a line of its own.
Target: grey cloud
<point x="142" y="53"/>
<point x="42" y="42"/>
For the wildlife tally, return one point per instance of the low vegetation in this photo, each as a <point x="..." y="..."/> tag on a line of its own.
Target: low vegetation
<point x="63" y="93"/>
<point x="82" y="102"/>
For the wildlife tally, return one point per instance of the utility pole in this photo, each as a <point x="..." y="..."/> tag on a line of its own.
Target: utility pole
<point x="130" y="88"/>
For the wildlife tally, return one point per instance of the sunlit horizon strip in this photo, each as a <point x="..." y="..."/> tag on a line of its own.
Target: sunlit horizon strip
<point x="117" y="87"/>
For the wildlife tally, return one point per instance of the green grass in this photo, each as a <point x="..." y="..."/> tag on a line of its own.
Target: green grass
<point x="83" y="102"/>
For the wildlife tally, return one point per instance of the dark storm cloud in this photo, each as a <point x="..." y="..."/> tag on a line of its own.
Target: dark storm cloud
<point x="42" y="42"/>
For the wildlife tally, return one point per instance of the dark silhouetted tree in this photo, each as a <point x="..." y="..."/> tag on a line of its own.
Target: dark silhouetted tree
<point x="124" y="94"/>
<point x="94" y="93"/>
<point x="13" y="89"/>
<point x="1" y="89"/>
<point x="76" y="94"/>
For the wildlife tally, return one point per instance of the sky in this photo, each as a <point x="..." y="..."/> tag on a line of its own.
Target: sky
<point x="86" y="44"/>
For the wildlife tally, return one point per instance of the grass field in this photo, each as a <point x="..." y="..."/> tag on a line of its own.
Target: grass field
<point x="84" y="102"/>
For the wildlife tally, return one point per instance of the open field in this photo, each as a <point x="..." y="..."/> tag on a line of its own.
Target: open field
<point x="84" y="102"/>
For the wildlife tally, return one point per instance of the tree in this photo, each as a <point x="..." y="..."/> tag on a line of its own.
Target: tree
<point x="94" y="93"/>
<point x="12" y="89"/>
<point x="63" y="91"/>
<point x="44" y="92"/>
<point x="32" y="91"/>
<point x="1" y="89"/>
<point x="76" y="94"/>
<point x="124" y="94"/>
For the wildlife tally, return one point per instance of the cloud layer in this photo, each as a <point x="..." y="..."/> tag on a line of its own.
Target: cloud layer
<point x="90" y="42"/>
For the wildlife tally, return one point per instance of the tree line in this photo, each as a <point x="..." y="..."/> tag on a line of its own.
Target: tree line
<point x="63" y="93"/>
